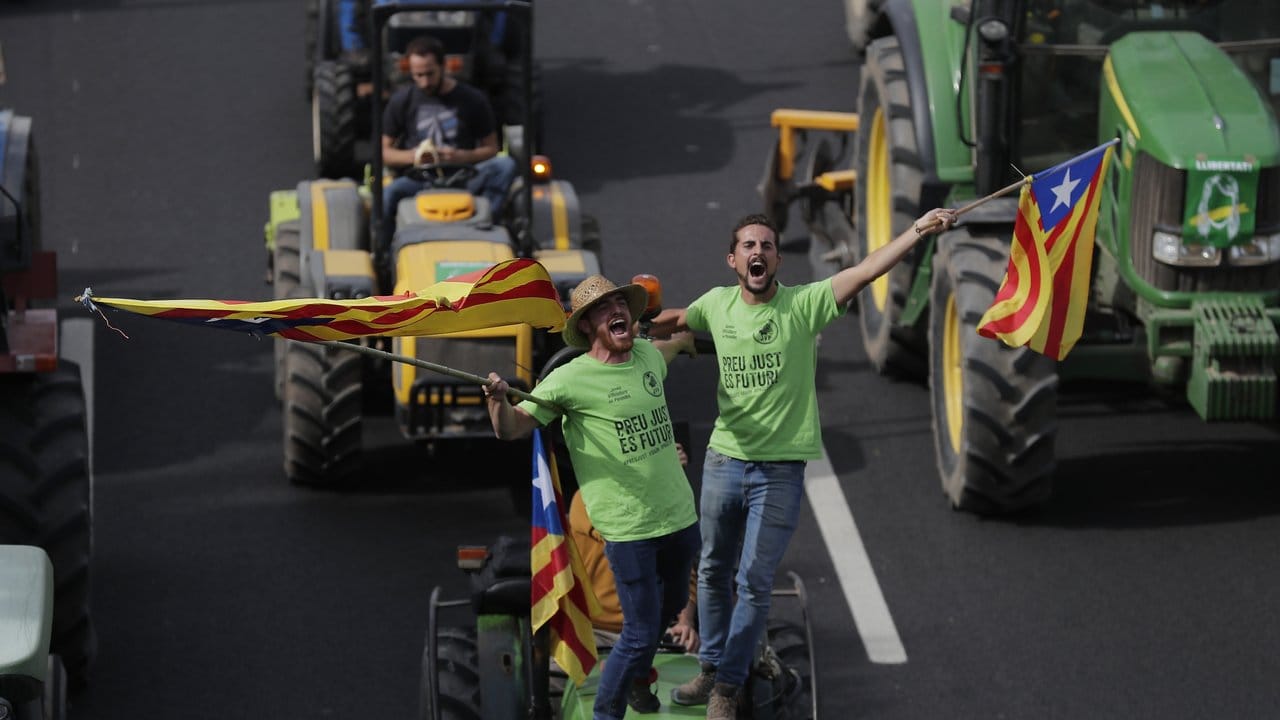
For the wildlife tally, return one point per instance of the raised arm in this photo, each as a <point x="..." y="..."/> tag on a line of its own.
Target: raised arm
<point x="668" y="322"/>
<point x="852" y="280"/>
<point x="509" y="421"/>
<point x="681" y="342"/>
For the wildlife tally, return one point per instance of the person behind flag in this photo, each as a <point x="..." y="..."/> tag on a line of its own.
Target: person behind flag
<point x="752" y="477"/>
<point x="618" y="431"/>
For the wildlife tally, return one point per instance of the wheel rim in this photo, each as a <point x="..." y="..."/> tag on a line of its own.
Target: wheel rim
<point x="879" y="205"/>
<point x="952" y="374"/>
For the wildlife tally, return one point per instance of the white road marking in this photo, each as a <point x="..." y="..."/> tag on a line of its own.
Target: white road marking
<point x="853" y="567"/>
<point x="76" y="345"/>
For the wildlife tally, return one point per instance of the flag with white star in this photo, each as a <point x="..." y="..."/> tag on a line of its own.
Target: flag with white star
<point x="1042" y="300"/>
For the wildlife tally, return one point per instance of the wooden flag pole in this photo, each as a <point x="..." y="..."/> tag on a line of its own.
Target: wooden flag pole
<point x="980" y="201"/>
<point x="442" y="369"/>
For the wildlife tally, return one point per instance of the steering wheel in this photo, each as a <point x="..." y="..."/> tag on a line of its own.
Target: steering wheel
<point x="443" y="174"/>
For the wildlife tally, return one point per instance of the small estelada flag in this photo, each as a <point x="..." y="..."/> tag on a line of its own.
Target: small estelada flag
<point x="1041" y="302"/>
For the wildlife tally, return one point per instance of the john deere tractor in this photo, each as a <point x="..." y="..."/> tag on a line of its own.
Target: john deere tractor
<point x="326" y="238"/>
<point x="958" y="99"/>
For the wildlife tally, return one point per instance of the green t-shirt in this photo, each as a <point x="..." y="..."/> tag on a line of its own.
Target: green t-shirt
<point x="619" y="434"/>
<point x="767" y="354"/>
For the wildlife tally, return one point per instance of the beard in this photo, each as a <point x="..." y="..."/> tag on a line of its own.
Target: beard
<point x="757" y="284"/>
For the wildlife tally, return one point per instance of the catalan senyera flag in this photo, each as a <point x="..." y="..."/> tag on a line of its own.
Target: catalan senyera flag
<point x="1042" y="300"/>
<point x="561" y="592"/>
<point x="507" y="293"/>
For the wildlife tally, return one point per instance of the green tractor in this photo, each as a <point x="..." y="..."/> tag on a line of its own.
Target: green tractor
<point x="495" y="668"/>
<point x="326" y="238"/>
<point x="959" y="99"/>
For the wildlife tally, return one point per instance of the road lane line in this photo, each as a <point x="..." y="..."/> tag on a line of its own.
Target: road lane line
<point x="76" y="344"/>
<point x="853" y="567"/>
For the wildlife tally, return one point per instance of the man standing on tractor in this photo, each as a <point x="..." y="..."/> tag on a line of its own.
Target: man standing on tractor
<point x="753" y="475"/>
<point x="622" y="446"/>
<point x="440" y="119"/>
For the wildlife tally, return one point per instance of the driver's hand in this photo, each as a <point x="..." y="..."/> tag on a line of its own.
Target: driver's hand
<point x="447" y="154"/>
<point x="425" y="153"/>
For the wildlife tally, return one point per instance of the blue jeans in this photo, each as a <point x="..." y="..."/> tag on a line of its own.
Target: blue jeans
<point x="653" y="587"/>
<point x="493" y="179"/>
<point x="755" y="506"/>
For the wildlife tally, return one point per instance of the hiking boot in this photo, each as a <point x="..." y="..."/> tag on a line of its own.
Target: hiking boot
<point x="642" y="700"/>
<point x="698" y="690"/>
<point x="723" y="704"/>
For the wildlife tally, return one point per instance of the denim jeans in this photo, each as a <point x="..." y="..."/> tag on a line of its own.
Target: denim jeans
<point x="653" y="587"/>
<point x="755" y="506"/>
<point x="493" y="179"/>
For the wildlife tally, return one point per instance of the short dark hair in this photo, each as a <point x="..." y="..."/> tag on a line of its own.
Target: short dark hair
<point x="752" y="219"/>
<point x="426" y="45"/>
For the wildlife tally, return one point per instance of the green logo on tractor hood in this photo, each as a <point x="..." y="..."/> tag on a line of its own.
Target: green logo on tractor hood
<point x="446" y="269"/>
<point x="1220" y="201"/>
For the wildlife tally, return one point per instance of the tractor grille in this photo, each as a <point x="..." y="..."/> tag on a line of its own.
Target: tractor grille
<point x="1158" y="196"/>
<point x="474" y="355"/>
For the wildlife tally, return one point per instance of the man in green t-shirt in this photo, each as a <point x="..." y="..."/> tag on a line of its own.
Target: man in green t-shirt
<point x="753" y="474"/>
<point x="618" y="432"/>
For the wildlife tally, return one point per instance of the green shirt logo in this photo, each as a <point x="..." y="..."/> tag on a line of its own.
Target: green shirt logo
<point x="768" y="333"/>
<point x="652" y="384"/>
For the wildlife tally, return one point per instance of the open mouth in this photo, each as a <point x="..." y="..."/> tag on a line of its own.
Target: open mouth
<point x="618" y="326"/>
<point x="756" y="268"/>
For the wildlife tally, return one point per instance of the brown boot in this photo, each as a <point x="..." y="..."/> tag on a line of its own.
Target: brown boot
<point x="723" y="704"/>
<point x="698" y="690"/>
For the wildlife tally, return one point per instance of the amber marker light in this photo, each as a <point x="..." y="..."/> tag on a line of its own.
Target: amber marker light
<point x="653" y="286"/>
<point x="541" y="167"/>
<point x="472" y="557"/>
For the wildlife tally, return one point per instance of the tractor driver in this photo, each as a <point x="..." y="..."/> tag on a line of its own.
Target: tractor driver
<point x="438" y="118"/>
<point x="613" y="410"/>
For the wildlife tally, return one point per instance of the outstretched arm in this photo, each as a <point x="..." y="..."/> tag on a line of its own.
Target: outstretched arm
<point x="681" y="342"/>
<point x="509" y="421"/>
<point x="668" y="322"/>
<point x="852" y="280"/>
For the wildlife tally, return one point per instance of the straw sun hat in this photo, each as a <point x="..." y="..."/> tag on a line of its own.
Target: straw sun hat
<point x="592" y="290"/>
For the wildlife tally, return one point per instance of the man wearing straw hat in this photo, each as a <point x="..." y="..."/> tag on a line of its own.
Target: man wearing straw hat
<point x="620" y="440"/>
<point x="753" y="472"/>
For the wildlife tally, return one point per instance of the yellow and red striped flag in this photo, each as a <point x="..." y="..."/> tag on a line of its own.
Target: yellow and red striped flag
<point x="510" y="292"/>
<point x="560" y="592"/>
<point x="1041" y="302"/>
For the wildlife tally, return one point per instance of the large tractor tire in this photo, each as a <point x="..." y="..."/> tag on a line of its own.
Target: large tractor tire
<point x="45" y="496"/>
<point x="994" y="407"/>
<point x="458" y="670"/>
<point x="286" y="272"/>
<point x="888" y="190"/>
<point x="334" y="118"/>
<point x="323" y="414"/>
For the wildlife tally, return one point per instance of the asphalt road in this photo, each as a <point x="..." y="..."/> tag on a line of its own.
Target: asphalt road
<point x="1145" y="588"/>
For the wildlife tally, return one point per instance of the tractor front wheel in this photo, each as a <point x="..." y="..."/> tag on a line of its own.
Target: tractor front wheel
<point x="457" y="664"/>
<point x="994" y="407"/>
<point x="46" y="499"/>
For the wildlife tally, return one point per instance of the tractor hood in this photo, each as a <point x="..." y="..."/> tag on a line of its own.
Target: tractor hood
<point x="1182" y="98"/>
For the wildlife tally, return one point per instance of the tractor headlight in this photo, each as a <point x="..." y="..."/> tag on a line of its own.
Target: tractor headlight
<point x="1262" y="249"/>
<point x="1168" y="248"/>
<point x="992" y="30"/>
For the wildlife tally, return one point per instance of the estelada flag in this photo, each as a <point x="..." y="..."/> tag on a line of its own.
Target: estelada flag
<point x="560" y="592"/>
<point x="1042" y="300"/>
<point x="508" y="293"/>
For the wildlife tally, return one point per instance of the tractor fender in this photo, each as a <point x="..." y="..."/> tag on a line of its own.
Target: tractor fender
<point x="898" y="18"/>
<point x="331" y="217"/>
<point x="15" y="146"/>
<point x="557" y="216"/>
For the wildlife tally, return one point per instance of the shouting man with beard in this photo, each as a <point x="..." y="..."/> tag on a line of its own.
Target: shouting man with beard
<point x="753" y="474"/>
<point x="620" y="440"/>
